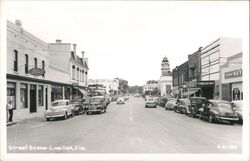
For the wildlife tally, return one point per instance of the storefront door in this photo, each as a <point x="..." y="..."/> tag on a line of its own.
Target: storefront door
<point x="33" y="104"/>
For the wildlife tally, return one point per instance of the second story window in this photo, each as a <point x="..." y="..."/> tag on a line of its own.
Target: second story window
<point x="43" y="66"/>
<point x="15" y="60"/>
<point x="35" y="62"/>
<point x="77" y="74"/>
<point x="26" y="63"/>
<point x="73" y="72"/>
<point x="82" y="75"/>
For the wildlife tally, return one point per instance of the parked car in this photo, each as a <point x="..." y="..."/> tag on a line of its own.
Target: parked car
<point x="60" y="108"/>
<point x="114" y="98"/>
<point x="150" y="102"/>
<point x="171" y="104"/>
<point x="237" y="106"/>
<point x="161" y="101"/>
<point x="218" y="111"/>
<point x="120" y="100"/>
<point x="183" y="106"/>
<point x="78" y="106"/>
<point x="96" y="104"/>
<point x="195" y="104"/>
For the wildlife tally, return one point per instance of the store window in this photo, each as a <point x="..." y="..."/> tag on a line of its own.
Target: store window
<point x="56" y="93"/>
<point x="11" y="93"/>
<point x="23" y="95"/>
<point x="15" y="60"/>
<point x="40" y="95"/>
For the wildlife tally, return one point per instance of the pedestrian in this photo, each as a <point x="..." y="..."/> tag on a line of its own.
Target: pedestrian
<point x="10" y="108"/>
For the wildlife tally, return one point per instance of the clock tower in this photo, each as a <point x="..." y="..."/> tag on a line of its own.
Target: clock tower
<point x="166" y="78"/>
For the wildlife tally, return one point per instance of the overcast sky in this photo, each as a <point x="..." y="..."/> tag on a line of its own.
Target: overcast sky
<point x="128" y="39"/>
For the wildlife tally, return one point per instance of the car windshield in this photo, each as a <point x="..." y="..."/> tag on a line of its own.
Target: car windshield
<point x="61" y="103"/>
<point x="93" y="100"/>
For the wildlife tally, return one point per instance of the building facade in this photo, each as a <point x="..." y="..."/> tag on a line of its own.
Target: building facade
<point x="151" y="87"/>
<point x="165" y="82"/>
<point x="212" y="57"/>
<point x="232" y="82"/>
<point x="37" y="72"/>
<point x="111" y="86"/>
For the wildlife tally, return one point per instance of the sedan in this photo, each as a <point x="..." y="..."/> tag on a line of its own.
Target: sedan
<point x="171" y="104"/>
<point x="60" y="108"/>
<point x="237" y="106"/>
<point x="150" y="102"/>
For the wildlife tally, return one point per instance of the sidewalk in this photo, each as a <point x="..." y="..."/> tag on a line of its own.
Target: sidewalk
<point x="23" y="114"/>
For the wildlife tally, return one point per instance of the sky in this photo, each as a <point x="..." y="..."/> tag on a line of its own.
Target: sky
<point x="128" y="39"/>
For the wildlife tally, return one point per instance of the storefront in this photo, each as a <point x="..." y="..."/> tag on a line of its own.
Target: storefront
<point x="232" y="84"/>
<point x="206" y="88"/>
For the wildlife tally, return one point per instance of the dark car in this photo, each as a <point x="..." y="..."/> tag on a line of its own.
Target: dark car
<point x="161" y="101"/>
<point x="171" y="104"/>
<point x="237" y="106"/>
<point x="96" y="104"/>
<point x="78" y="106"/>
<point x="183" y="106"/>
<point x="218" y="111"/>
<point x="195" y="104"/>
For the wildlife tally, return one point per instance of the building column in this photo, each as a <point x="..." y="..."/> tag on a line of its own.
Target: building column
<point x="18" y="102"/>
<point x="49" y="95"/>
<point x="37" y="96"/>
<point x="63" y="92"/>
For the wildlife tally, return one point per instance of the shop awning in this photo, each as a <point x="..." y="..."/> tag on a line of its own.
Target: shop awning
<point x="190" y="92"/>
<point x="83" y="91"/>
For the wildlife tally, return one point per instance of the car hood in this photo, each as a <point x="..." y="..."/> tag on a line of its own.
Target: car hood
<point x="57" y="108"/>
<point x="225" y="110"/>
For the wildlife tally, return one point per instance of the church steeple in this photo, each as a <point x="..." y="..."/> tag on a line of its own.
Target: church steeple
<point x="165" y="67"/>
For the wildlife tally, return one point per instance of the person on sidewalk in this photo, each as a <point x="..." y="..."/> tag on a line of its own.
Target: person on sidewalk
<point x="10" y="107"/>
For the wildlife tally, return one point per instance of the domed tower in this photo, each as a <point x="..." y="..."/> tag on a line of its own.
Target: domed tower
<point x="166" y="78"/>
<point x="165" y="70"/>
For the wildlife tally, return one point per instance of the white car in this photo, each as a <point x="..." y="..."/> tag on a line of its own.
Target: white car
<point x="60" y="108"/>
<point x="120" y="100"/>
<point x="150" y="102"/>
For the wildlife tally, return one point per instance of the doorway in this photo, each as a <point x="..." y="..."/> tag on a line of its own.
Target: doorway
<point x="46" y="98"/>
<point x="33" y="104"/>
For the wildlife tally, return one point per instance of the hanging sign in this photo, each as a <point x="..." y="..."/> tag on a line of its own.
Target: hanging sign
<point x="36" y="71"/>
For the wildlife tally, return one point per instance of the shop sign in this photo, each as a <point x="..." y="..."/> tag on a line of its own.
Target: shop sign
<point x="232" y="74"/>
<point x="36" y="71"/>
<point x="205" y="83"/>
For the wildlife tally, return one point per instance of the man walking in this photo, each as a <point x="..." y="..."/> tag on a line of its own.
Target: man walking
<point x="10" y="107"/>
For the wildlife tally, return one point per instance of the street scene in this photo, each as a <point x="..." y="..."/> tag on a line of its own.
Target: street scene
<point x="126" y="78"/>
<point x="125" y="128"/>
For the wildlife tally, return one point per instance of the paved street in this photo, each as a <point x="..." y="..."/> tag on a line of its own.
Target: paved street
<point x="129" y="128"/>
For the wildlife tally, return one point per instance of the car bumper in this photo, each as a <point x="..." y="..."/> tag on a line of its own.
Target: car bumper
<point x="150" y="105"/>
<point x="54" y="115"/>
<point x="226" y="118"/>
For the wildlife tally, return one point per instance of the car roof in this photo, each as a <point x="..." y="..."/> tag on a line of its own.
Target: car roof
<point x="198" y="98"/>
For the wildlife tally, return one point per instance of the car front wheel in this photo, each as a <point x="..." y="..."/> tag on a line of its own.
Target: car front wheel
<point x="72" y="114"/>
<point x="211" y="118"/>
<point x="65" y="116"/>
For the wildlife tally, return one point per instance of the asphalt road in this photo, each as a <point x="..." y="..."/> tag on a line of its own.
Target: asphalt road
<point x="128" y="128"/>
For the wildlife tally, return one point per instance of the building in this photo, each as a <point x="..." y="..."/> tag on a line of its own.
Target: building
<point x="165" y="82"/>
<point x="71" y="71"/>
<point x="180" y="79"/>
<point x="232" y="82"/>
<point x="111" y="86"/>
<point x="212" y="57"/>
<point x="38" y="72"/>
<point x="25" y="52"/>
<point x="151" y="88"/>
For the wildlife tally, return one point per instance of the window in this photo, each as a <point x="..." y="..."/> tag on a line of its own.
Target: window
<point x="26" y="63"/>
<point x="77" y="74"/>
<point x="35" y="62"/>
<point x="40" y="95"/>
<point x="83" y="76"/>
<point x="15" y="60"/>
<point x="73" y="72"/>
<point x="43" y="66"/>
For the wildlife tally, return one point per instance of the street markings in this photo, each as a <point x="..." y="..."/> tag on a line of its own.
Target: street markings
<point x="130" y="118"/>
